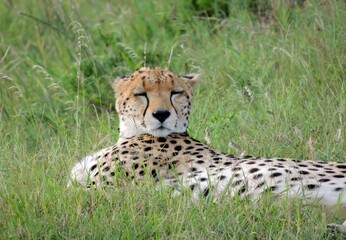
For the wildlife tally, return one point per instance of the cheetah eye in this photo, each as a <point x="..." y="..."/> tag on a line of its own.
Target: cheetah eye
<point x="143" y="94"/>
<point x="176" y="92"/>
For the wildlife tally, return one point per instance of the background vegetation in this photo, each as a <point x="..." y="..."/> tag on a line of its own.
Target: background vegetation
<point x="273" y="85"/>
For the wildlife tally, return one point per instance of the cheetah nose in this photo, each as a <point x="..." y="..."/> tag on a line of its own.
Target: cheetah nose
<point x="161" y="115"/>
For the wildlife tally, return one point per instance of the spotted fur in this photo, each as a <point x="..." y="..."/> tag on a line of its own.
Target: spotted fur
<point x="154" y="106"/>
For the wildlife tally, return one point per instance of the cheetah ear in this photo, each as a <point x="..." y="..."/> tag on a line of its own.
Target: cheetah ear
<point x="118" y="81"/>
<point x="191" y="78"/>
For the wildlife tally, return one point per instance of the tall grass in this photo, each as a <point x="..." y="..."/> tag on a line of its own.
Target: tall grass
<point x="273" y="85"/>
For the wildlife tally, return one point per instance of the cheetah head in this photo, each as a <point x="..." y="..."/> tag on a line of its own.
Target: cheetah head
<point x="154" y="101"/>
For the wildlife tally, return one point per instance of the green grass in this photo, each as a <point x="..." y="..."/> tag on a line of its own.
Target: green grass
<point x="273" y="84"/>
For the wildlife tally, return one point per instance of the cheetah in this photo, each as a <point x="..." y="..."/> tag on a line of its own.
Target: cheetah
<point x="154" y="105"/>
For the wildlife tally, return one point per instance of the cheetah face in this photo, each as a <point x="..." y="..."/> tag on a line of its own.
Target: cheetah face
<point x="154" y="101"/>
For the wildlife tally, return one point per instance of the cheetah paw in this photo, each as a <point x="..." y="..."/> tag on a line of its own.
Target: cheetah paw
<point x="337" y="228"/>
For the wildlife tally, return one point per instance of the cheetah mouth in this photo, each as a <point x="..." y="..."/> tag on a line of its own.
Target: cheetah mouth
<point x="162" y="128"/>
<point x="160" y="131"/>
